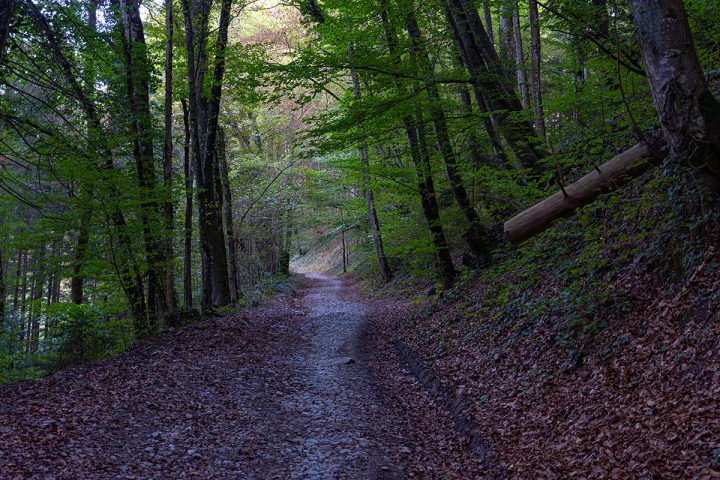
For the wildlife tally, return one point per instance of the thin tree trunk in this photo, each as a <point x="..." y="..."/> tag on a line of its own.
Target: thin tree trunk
<point x="169" y="208"/>
<point x="229" y="220"/>
<point x="36" y="305"/>
<point x="507" y="41"/>
<point x="491" y="82"/>
<point x="137" y="79"/>
<point x="3" y="289"/>
<point x="475" y="235"/>
<point x="187" y="236"/>
<point x="688" y="112"/>
<point x="487" y="13"/>
<point x="520" y="59"/>
<point x="77" y="280"/>
<point x="535" y="85"/>
<point x="426" y="187"/>
<point x="380" y="257"/>
<point x="131" y="281"/>
<point x="16" y="283"/>
<point x="342" y="240"/>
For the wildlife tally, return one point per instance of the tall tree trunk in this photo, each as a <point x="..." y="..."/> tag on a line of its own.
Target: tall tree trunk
<point x="130" y="279"/>
<point x="475" y="235"/>
<point x="77" y="280"/>
<point x="137" y="79"/>
<point x="380" y="257"/>
<point x="6" y="11"/>
<point x="420" y="158"/>
<point x="204" y="110"/>
<point x="520" y="59"/>
<point x="187" y="234"/>
<point x="229" y="220"/>
<point x="507" y="40"/>
<point x="688" y="112"/>
<point x="487" y="13"/>
<point x="3" y="289"/>
<point x="429" y="197"/>
<point x="169" y="208"/>
<point x="490" y="81"/>
<point x="535" y="85"/>
<point x="195" y="40"/>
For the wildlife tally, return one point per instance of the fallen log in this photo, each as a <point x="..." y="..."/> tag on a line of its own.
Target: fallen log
<point x="607" y="177"/>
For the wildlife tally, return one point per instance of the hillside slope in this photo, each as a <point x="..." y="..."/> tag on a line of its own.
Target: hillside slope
<point x="593" y="351"/>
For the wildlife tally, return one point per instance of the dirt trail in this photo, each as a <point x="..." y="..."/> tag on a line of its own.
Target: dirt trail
<point x="280" y="392"/>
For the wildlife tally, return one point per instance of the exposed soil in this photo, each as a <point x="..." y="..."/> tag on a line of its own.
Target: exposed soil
<point x="301" y="388"/>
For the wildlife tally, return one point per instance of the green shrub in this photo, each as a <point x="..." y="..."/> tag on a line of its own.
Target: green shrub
<point x="82" y="333"/>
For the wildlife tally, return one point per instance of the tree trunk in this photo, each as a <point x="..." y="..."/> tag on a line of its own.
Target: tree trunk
<point x="489" y="77"/>
<point x="535" y="85"/>
<point x="342" y="241"/>
<point x="487" y="13"/>
<point x="187" y="236"/>
<point x="688" y="112"/>
<point x="507" y="40"/>
<point x="204" y="112"/>
<point x="16" y="282"/>
<point x="428" y="199"/>
<point x="3" y="289"/>
<point x="608" y="177"/>
<point x="520" y="59"/>
<point x="130" y="279"/>
<point x="475" y="235"/>
<point x="6" y="11"/>
<point x="168" y="207"/>
<point x="431" y="208"/>
<point x="137" y="79"/>
<point x="77" y="280"/>
<point x="382" y="262"/>
<point x="229" y="220"/>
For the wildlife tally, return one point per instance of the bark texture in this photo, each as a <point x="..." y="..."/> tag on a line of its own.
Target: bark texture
<point x="688" y="112"/>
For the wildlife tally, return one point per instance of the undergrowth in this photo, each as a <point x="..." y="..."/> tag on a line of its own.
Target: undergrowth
<point x="566" y="275"/>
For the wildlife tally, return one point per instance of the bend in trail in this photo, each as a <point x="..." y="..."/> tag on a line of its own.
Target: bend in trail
<point x="282" y="391"/>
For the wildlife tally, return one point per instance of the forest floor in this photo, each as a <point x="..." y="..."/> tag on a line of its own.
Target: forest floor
<point x="303" y="387"/>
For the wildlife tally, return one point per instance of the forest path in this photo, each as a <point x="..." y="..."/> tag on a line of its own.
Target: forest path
<point x="282" y="391"/>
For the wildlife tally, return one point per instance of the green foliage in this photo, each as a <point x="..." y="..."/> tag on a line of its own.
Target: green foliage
<point x="82" y="333"/>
